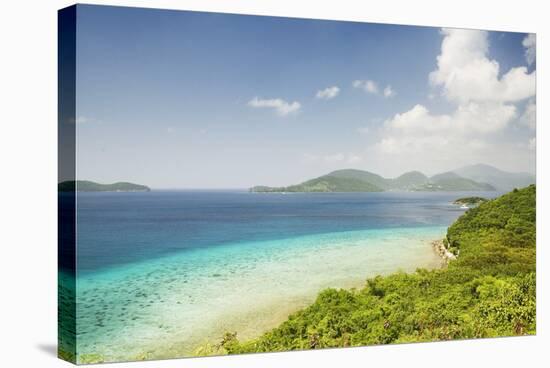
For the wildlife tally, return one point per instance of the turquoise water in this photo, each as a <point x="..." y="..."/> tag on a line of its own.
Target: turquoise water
<point x="159" y="275"/>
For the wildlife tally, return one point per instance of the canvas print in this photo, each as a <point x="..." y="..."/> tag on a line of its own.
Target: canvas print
<point x="235" y="184"/>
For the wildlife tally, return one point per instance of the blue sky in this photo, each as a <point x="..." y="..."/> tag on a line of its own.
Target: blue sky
<point x="177" y="99"/>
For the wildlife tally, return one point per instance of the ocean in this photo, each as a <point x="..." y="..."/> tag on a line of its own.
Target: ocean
<point x="160" y="273"/>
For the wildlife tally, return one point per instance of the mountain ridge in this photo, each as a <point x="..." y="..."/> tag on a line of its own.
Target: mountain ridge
<point x="500" y="179"/>
<point x="464" y="178"/>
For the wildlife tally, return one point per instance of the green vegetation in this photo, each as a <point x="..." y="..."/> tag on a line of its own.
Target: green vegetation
<point x="408" y="181"/>
<point x="350" y="180"/>
<point x="489" y="290"/>
<point x="451" y="182"/>
<point x="366" y="176"/>
<point x="90" y="186"/>
<point x="325" y="184"/>
<point x="470" y="201"/>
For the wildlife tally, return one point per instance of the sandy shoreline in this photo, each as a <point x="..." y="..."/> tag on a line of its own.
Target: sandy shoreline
<point x="254" y="323"/>
<point x="248" y="324"/>
<point x="248" y="296"/>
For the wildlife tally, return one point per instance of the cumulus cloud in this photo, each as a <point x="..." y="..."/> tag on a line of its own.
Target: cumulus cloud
<point x="408" y="131"/>
<point x="530" y="44"/>
<point x="366" y="85"/>
<point x="282" y="107"/>
<point x="388" y="91"/>
<point x="371" y="86"/>
<point x="328" y="93"/>
<point x="465" y="72"/>
<point x="529" y="116"/>
<point x="484" y="102"/>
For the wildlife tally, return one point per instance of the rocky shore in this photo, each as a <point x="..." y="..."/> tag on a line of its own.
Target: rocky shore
<point x="442" y="251"/>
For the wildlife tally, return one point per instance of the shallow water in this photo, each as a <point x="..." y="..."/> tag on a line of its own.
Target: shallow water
<point x="161" y="274"/>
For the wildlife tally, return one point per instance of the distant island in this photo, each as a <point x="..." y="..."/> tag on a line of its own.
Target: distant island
<point x="470" y="178"/>
<point x="470" y="201"/>
<point x="351" y="180"/>
<point x="503" y="181"/>
<point x="90" y="186"/>
<point x="327" y="183"/>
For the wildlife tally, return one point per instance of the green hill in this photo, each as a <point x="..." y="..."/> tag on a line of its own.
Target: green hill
<point x="451" y="182"/>
<point x="501" y="180"/>
<point x="351" y="180"/>
<point x="409" y="181"/>
<point x="366" y="176"/>
<point x="325" y="184"/>
<point x="488" y="291"/>
<point x="90" y="186"/>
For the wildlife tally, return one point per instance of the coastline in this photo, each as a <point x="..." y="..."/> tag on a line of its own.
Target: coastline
<point x="214" y="347"/>
<point x="477" y="297"/>
<point x="255" y="299"/>
<point x="442" y="251"/>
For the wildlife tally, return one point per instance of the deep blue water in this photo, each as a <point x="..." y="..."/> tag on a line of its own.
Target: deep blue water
<point x="121" y="228"/>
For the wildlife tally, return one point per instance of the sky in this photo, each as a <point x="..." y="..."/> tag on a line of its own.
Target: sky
<point x="175" y="99"/>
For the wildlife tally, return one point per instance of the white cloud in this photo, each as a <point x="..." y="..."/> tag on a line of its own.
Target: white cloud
<point x="530" y="44"/>
<point x="371" y="86"/>
<point x="367" y="85"/>
<point x="529" y="116"/>
<point x="328" y="93"/>
<point x="281" y="106"/>
<point x="468" y="122"/>
<point x="465" y="73"/>
<point x="484" y="102"/>
<point x="388" y="91"/>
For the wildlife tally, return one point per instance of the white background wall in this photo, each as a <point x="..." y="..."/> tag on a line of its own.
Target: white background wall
<point x="28" y="180"/>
